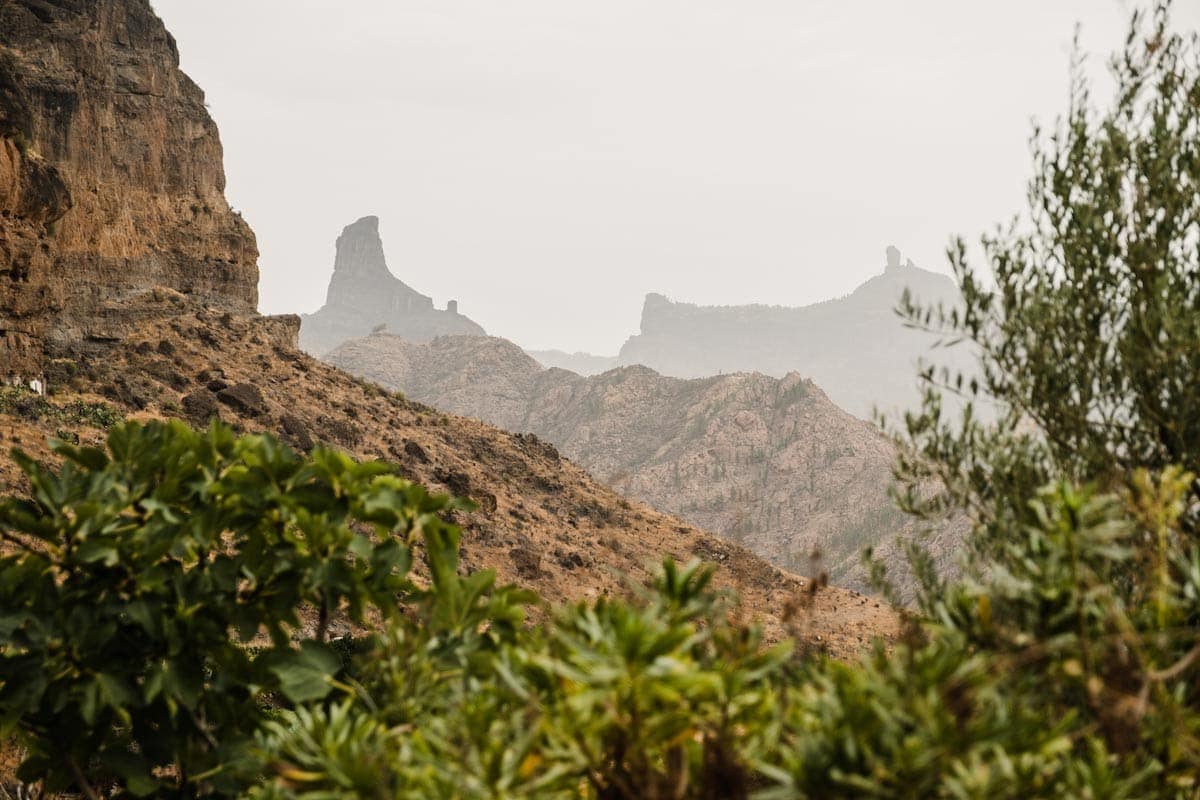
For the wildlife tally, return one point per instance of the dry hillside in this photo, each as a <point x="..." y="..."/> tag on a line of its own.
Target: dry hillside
<point x="542" y="521"/>
<point x="769" y="463"/>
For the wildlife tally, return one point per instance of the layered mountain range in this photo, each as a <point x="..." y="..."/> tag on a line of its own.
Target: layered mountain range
<point x="770" y="463"/>
<point x="128" y="285"/>
<point x="856" y="348"/>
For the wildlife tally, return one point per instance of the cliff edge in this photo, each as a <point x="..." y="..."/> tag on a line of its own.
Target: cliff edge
<point x="111" y="179"/>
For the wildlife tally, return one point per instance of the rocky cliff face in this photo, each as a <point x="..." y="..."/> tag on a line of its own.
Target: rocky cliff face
<point x="111" y="179"/>
<point x="855" y="347"/>
<point x="770" y="463"/>
<point x="364" y="294"/>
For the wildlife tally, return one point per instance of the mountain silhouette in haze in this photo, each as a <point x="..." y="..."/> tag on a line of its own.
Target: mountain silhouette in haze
<point x="770" y="463"/>
<point x="855" y="347"/>
<point x="364" y="294"/>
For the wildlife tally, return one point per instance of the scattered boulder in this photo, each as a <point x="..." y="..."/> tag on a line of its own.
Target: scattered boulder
<point x="245" y="398"/>
<point x="200" y="406"/>
<point x="340" y="431"/>
<point x="569" y="560"/>
<point x="526" y="561"/>
<point x="457" y="482"/>
<point x="416" y="452"/>
<point x="296" y="432"/>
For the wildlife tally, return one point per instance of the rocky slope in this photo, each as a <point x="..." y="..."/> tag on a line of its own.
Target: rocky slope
<point x="111" y="179"/>
<point x="542" y="521"/>
<point x="129" y="286"/>
<point x="364" y="294"/>
<point x="770" y="463"/>
<point x="854" y="347"/>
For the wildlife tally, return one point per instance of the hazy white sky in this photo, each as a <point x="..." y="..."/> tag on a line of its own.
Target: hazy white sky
<point x="548" y="162"/>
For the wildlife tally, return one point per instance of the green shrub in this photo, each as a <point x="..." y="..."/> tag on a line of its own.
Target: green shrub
<point x="1069" y="670"/>
<point x="1087" y="322"/>
<point x="135" y="567"/>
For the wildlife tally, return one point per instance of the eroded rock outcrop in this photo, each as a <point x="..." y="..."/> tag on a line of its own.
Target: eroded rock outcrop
<point x="364" y="294"/>
<point x="111" y="179"/>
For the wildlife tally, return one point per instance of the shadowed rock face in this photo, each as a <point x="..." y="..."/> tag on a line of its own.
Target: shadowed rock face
<point x="855" y="347"/>
<point x="364" y="294"/>
<point x="111" y="179"/>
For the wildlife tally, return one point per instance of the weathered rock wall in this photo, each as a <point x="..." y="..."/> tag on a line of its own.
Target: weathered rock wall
<point x="111" y="178"/>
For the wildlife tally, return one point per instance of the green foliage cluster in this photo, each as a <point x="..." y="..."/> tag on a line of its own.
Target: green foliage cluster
<point x="142" y="577"/>
<point x="1087" y="322"/>
<point x="165" y="630"/>
<point x="23" y="402"/>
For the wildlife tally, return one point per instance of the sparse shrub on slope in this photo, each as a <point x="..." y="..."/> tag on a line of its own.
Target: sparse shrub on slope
<point x="26" y="403"/>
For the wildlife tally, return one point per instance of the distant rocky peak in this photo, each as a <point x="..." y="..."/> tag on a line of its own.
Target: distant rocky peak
<point x="361" y="278"/>
<point x="893" y="260"/>
<point x="364" y="296"/>
<point x="360" y="249"/>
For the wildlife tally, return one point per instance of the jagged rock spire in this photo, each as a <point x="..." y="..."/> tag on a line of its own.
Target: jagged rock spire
<point x="364" y="295"/>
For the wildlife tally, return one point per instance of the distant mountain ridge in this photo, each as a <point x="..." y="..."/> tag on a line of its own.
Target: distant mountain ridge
<point x="364" y="294"/>
<point x="581" y="363"/>
<point x="769" y="463"/>
<point x="854" y="347"/>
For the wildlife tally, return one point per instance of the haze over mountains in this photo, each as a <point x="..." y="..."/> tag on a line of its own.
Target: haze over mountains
<point x="854" y="347"/>
<point x="129" y="287"/>
<point x="363" y="294"/>
<point x="768" y="461"/>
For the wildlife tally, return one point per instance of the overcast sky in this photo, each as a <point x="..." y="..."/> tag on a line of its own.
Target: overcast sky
<point x="548" y="162"/>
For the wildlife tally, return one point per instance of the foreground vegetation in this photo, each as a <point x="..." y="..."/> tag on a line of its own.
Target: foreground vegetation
<point x="196" y="614"/>
<point x="1068" y="672"/>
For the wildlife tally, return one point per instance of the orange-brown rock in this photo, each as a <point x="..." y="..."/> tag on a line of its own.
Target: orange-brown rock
<point x="111" y="179"/>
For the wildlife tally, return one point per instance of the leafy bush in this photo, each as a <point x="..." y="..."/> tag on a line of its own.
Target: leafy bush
<point x="1067" y="671"/>
<point x="134" y="568"/>
<point x="1087" y="323"/>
